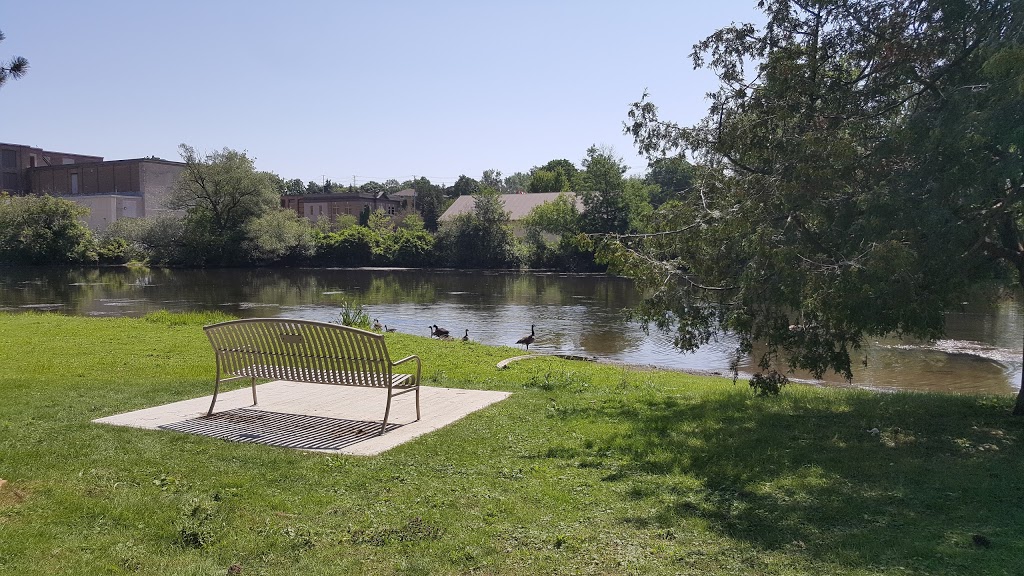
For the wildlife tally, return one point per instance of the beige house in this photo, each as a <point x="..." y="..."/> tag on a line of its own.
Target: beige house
<point x="517" y="206"/>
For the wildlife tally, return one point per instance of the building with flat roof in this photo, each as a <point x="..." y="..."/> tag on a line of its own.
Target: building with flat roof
<point x="316" y="207"/>
<point x="111" y="189"/>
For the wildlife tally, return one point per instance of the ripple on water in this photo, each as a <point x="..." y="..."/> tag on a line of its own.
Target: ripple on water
<point x="967" y="347"/>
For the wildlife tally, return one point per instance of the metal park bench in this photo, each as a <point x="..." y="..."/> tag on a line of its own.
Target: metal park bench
<point x="306" y="351"/>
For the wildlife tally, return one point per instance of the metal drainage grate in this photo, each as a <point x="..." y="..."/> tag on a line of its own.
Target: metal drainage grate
<point x="277" y="429"/>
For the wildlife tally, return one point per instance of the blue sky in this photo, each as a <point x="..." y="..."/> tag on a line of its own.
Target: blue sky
<point x="363" y="90"/>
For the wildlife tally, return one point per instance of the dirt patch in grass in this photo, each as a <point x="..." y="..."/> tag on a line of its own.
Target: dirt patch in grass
<point x="9" y="495"/>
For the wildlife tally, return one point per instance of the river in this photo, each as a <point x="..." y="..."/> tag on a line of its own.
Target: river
<point x="578" y="314"/>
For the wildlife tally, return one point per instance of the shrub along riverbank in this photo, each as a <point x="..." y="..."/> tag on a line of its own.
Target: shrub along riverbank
<point x="586" y="468"/>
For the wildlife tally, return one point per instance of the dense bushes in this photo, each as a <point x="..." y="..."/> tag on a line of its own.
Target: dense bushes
<point x="44" y="230"/>
<point x="361" y="246"/>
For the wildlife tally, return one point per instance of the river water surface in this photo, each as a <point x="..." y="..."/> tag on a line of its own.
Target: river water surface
<point x="579" y="314"/>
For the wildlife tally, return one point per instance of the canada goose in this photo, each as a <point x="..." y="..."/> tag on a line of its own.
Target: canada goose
<point x="465" y="337"/>
<point x="527" y="340"/>
<point x="439" y="332"/>
<point x="386" y="329"/>
<point x="376" y="324"/>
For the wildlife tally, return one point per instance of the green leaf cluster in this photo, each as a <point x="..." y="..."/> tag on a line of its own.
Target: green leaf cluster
<point x="44" y="230"/>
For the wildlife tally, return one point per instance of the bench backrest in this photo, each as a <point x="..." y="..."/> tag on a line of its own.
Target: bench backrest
<point x="301" y="351"/>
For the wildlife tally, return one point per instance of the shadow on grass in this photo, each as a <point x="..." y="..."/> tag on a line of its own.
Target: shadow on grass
<point x="863" y="480"/>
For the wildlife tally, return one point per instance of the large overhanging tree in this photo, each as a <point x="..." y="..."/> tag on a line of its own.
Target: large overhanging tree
<point x="859" y="167"/>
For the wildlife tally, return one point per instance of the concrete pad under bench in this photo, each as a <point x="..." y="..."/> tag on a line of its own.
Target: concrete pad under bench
<point x="353" y="413"/>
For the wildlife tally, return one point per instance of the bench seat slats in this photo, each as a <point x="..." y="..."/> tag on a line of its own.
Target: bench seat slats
<point x="293" y="374"/>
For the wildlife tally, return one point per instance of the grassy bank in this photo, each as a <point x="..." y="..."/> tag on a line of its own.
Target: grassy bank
<point x="586" y="468"/>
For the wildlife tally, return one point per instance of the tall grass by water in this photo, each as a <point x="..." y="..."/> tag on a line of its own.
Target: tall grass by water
<point x="586" y="468"/>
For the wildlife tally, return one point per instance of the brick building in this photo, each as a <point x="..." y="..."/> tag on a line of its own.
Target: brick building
<point x="316" y="207"/>
<point x="112" y="189"/>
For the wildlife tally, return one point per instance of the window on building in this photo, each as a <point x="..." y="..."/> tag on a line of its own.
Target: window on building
<point x="9" y="159"/>
<point x="391" y="210"/>
<point x="31" y="160"/>
<point x="68" y="161"/>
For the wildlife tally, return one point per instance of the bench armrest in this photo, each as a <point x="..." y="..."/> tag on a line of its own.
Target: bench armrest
<point x="419" y="366"/>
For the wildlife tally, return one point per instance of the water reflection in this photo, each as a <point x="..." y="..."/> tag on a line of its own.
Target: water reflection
<point x="576" y="314"/>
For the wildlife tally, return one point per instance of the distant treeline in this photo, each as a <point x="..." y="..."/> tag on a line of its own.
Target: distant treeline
<point x="226" y="213"/>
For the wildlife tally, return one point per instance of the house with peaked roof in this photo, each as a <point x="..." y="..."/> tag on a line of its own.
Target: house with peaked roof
<point x="517" y="206"/>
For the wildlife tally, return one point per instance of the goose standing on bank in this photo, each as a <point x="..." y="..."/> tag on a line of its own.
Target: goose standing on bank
<point x="376" y="325"/>
<point x="527" y="340"/>
<point x="386" y="329"/>
<point x="465" y="337"/>
<point x="439" y="332"/>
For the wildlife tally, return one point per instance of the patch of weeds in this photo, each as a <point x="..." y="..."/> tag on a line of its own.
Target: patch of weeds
<point x="166" y="483"/>
<point x="561" y="452"/>
<point x="299" y="537"/>
<point x="352" y="314"/>
<point x="565" y="541"/>
<point x="640" y="491"/>
<point x="414" y="567"/>
<point x="768" y="384"/>
<point x="129" y="556"/>
<point x="415" y="530"/>
<point x="556" y="410"/>
<point x="522" y="538"/>
<point x="970" y="447"/>
<point x="440" y="378"/>
<point x="194" y="529"/>
<point x="896" y="437"/>
<point x="590" y="462"/>
<point x="511" y="474"/>
<point x="571" y="381"/>
<point x="667" y="534"/>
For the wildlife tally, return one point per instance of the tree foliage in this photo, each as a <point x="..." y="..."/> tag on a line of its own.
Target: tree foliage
<point x="278" y="237"/>
<point x="14" y="68"/>
<point x="221" y="193"/>
<point x="860" y="165"/>
<point x="602" y="188"/>
<point x="430" y="201"/>
<point x="482" y="239"/>
<point x="43" y="230"/>
<point x="492" y="179"/>
<point x="555" y="176"/>
<point x="516" y="183"/>
<point x="672" y="175"/>
<point x="551" y="237"/>
<point x="464" y="186"/>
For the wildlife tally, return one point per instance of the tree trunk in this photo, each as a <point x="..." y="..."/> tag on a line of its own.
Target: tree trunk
<point x="1018" y="407"/>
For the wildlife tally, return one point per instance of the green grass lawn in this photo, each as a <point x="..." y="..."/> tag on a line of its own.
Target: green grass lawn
<point x="585" y="469"/>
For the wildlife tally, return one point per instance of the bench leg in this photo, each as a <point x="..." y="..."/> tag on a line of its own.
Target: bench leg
<point x="417" y="402"/>
<point x="387" y="411"/>
<point x="254" y="402"/>
<point x="216" y="388"/>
